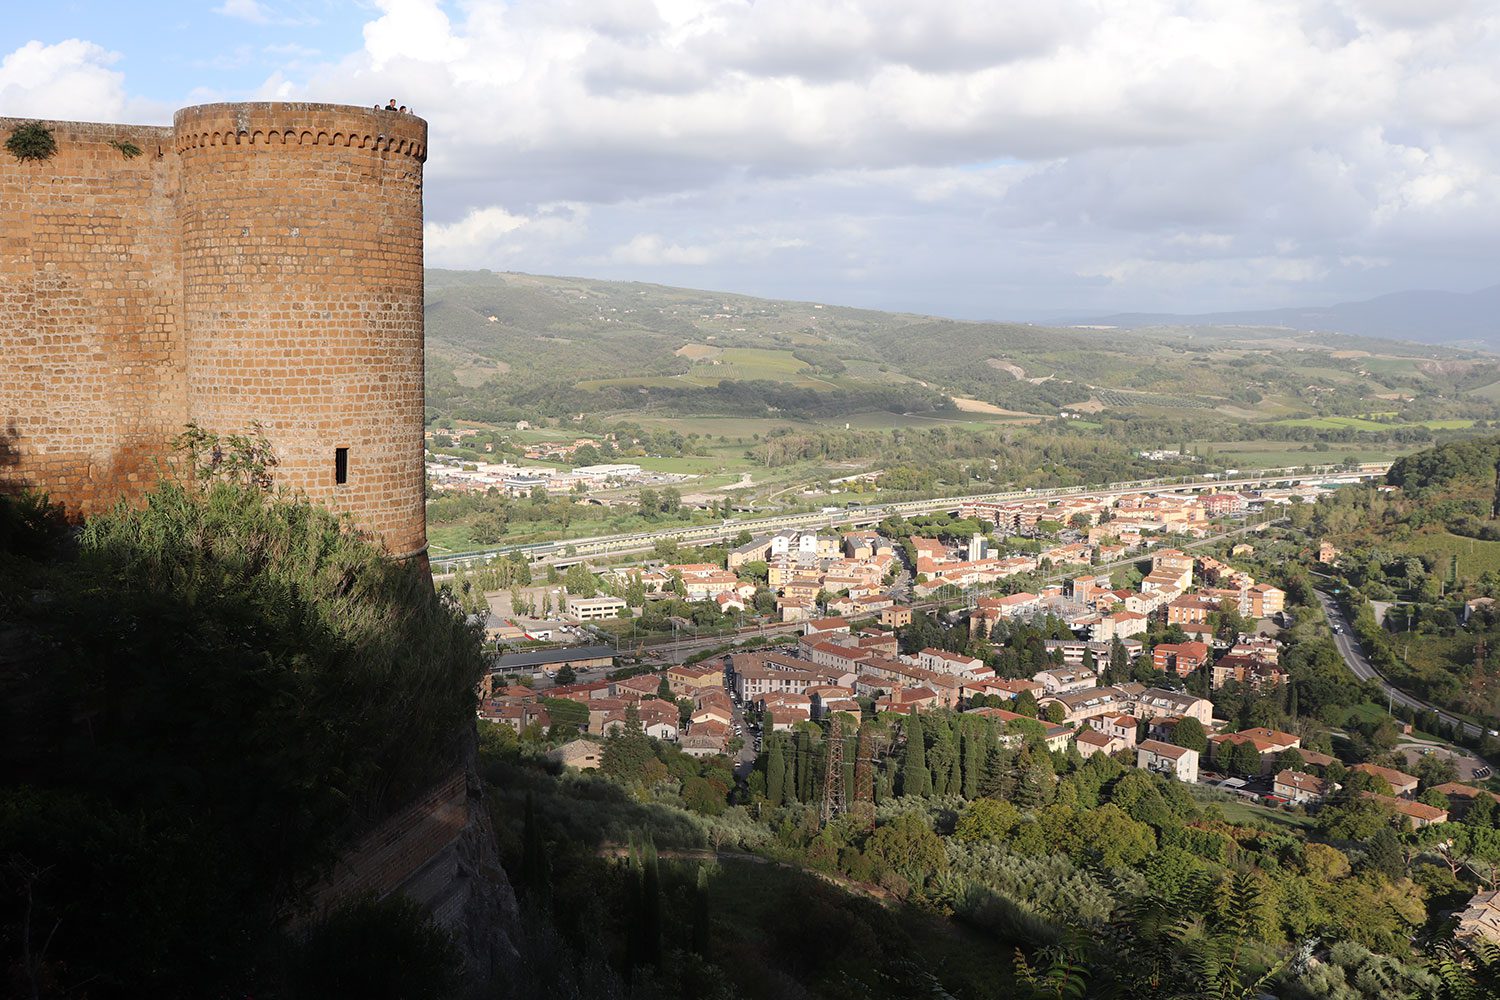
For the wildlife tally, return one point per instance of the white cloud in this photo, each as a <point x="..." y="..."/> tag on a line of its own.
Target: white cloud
<point x="650" y="249"/>
<point x="256" y="12"/>
<point x="492" y="235"/>
<point x="953" y="155"/>
<point x="69" y="80"/>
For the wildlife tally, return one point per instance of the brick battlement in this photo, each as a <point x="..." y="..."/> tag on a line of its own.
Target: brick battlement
<point x="257" y="263"/>
<point x="288" y="124"/>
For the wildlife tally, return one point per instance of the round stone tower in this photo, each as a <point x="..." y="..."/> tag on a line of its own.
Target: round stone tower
<point x="301" y="256"/>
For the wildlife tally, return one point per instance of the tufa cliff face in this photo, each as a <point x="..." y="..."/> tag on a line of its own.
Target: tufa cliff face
<point x="254" y="263"/>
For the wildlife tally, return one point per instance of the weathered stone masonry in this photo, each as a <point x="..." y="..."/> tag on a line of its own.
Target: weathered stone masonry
<point x="258" y="262"/>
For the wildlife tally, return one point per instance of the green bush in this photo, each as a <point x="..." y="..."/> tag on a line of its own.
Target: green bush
<point x="230" y="675"/>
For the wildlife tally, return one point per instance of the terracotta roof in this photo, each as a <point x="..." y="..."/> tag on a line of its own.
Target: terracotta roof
<point x="1391" y="776"/>
<point x="1161" y="749"/>
<point x="1302" y="782"/>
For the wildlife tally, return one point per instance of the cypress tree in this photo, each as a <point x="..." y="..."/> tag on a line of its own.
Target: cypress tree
<point x="992" y="782"/>
<point x="1383" y="854"/>
<point x="971" y="745"/>
<point x="775" y="765"/>
<point x="955" y="773"/>
<point x="804" y="761"/>
<point x="915" y="778"/>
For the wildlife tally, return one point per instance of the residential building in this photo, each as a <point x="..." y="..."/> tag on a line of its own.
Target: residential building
<point x="1461" y="797"/>
<point x="1164" y="758"/>
<point x="1266" y="600"/>
<point x="580" y="754"/>
<point x="1085" y="704"/>
<point x="1401" y="783"/>
<point x="1299" y="788"/>
<point x="1417" y="814"/>
<point x="1180" y="658"/>
<point x="1155" y="703"/>
<point x="1191" y="609"/>
<point x="1481" y="917"/>
<point x="957" y="664"/>
<point x="689" y="679"/>
<point x="1252" y="671"/>
<point x="1120" y="726"/>
<point x="825" y="626"/>
<point x="1060" y="680"/>
<point x="898" y="616"/>
<point x="1091" y="741"/>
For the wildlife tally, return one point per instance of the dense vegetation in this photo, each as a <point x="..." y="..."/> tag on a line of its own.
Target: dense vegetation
<point x="1424" y="552"/>
<point x="205" y="698"/>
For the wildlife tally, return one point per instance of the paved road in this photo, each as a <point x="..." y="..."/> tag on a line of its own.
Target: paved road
<point x="1365" y="670"/>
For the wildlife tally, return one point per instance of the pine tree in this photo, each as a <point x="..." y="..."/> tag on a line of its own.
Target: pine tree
<point x="915" y="778"/>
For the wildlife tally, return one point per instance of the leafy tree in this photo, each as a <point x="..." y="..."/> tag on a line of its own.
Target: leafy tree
<point x="987" y="819"/>
<point x="1054" y="712"/>
<point x="580" y="582"/>
<point x="566" y="675"/>
<point x="1189" y="733"/>
<point x="1244" y="760"/>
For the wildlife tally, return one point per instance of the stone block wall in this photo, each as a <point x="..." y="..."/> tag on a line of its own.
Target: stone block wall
<point x="257" y="263"/>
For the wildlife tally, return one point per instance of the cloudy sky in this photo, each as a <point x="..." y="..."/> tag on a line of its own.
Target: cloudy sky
<point x="972" y="158"/>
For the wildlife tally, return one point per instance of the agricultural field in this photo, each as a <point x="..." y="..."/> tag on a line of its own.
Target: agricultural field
<point x="1475" y="557"/>
<point x="1282" y="454"/>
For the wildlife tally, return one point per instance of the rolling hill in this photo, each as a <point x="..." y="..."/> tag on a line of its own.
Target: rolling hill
<point x="502" y="343"/>
<point x="1427" y="317"/>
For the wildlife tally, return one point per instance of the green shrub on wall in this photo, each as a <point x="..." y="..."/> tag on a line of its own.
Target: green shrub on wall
<point x="32" y="141"/>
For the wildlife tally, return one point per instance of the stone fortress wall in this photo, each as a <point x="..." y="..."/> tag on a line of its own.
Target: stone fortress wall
<point x="255" y="263"/>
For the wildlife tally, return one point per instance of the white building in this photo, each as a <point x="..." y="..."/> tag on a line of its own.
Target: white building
<point x="1164" y="758"/>
<point x="595" y="609"/>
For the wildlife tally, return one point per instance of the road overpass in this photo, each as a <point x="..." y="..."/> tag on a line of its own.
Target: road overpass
<point x="568" y="551"/>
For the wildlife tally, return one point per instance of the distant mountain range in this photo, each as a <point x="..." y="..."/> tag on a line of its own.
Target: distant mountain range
<point x="1426" y="317"/>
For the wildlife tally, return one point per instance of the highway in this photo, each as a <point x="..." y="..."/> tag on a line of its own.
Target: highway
<point x="1363" y="669"/>
<point x="562" y="553"/>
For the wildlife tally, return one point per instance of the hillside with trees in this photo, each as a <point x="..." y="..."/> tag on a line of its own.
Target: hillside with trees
<point x="203" y="701"/>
